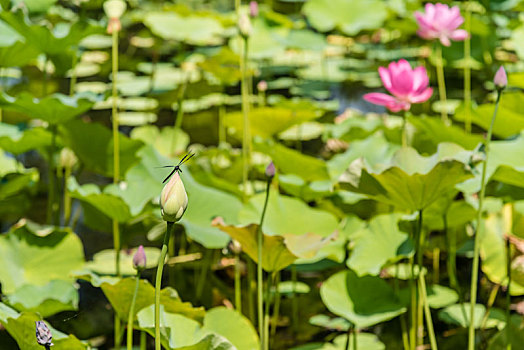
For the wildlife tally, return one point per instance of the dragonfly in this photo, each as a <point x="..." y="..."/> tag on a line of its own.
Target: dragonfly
<point x="187" y="157"/>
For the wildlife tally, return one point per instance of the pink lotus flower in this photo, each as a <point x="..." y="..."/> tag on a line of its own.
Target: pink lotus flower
<point x="440" y="22"/>
<point x="407" y="86"/>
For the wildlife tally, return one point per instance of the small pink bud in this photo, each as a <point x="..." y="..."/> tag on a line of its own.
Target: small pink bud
<point x="253" y="9"/>
<point x="501" y="79"/>
<point x="139" y="260"/>
<point x="270" y="170"/>
<point x="262" y="86"/>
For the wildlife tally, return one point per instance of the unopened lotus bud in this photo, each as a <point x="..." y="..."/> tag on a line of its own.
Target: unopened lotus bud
<point x="244" y="25"/>
<point x="173" y="199"/>
<point x="68" y="158"/>
<point x="270" y="170"/>
<point x="139" y="259"/>
<point x="114" y="8"/>
<point x="501" y="79"/>
<point x="262" y="86"/>
<point x="43" y="334"/>
<point x="235" y="247"/>
<point x="253" y="9"/>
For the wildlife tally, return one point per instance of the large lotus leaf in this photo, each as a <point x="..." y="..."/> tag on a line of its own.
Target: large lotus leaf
<point x="505" y="164"/>
<point x="381" y="241"/>
<point x="508" y="340"/>
<point x="219" y="66"/>
<point x="22" y="328"/>
<point x="290" y="161"/>
<point x="459" y="314"/>
<point x="434" y="130"/>
<point x="120" y="295"/>
<point x="364" y="301"/>
<point x="275" y="255"/>
<point x="93" y="144"/>
<point x="54" y="109"/>
<point x="181" y="333"/>
<point x="374" y="149"/>
<point x="325" y="70"/>
<point x="104" y="261"/>
<point x="268" y="121"/>
<point x="47" y="300"/>
<point x="265" y="41"/>
<point x="348" y="16"/>
<point x="509" y="120"/>
<point x="440" y="296"/>
<point x="15" y="140"/>
<point x="36" y="5"/>
<point x="366" y="341"/>
<point x="227" y="322"/>
<point x="411" y="182"/>
<point x="493" y="248"/>
<point x="287" y="215"/>
<point x="13" y="49"/>
<point x="308" y="245"/>
<point x="37" y="255"/>
<point x="167" y="141"/>
<point x="194" y="30"/>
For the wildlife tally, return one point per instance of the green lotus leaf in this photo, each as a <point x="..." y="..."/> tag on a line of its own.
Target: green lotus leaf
<point x="121" y="293"/>
<point x="47" y="300"/>
<point x="268" y="121"/>
<point x="32" y="254"/>
<point x="366" y="341"/>
<point x="275" y="255"/>
<point x="167" y="141"/>
<point x="380" y="242"/>
<point x="459" y="314"/>
<point x="17" y="141"/>
<point x="194" y="30"/>
<point x="280" y="208"/>
<point x="98" y="156"/>
<point x="348" y="16"/>
<point x="103" y="262"/>
<point x="440" y="296"/>
<point x="410" y="182"/>
<point x="22" y="328"/>
<point x="265" y="41"/>
<point x="54" y="109"/>
<point x="364" y="301"/>
<point x="13" y="50"/>
<point x="227" y="322"/>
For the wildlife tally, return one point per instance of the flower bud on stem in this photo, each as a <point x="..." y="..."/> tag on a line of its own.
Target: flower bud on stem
<point x="158" y="283"/>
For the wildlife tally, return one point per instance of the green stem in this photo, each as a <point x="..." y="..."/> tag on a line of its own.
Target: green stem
<point x="260" y="276"/>
<point x="251" y="290"/>
<point x="238" y="286"/>
<point x="476" y="248"/>
<point x="404" y="131"/>
<point x="67" y="197"/>
<point x="491" y="300"/>
<point x="294" y="300"/>
<point x="208" y="258"/>
<point x="158" y="283"/>
<point x="246" y="135"/>
<point x="131" y="316"/>
<point x="276" y="308"/>
<point x="427" y="311"/>
<point x="221" y="128"/>
<point x="420" y="256"/>
<point x="413" y="293"/>
<point x="452" y="255"/>
<point x="403" y="327"/>
<point x="348" y="336"/>
<point x="269" y="284"/>
<point x="171" y="269"/>
<point x="72" y="83"/>
<point x="441" y="85"/>
<point x="143" y="340"/>
<point x="51" y="178"/>
<point x="508" y="294"/>
<point x="436" y="265"/>
<point x="467" y="71"/>
<point x="355" y="339"/>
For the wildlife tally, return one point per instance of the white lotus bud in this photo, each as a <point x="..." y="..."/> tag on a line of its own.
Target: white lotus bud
<point x="173" y="199"/>
<point x="244" y="25"/>
<point x="115" y="8"/>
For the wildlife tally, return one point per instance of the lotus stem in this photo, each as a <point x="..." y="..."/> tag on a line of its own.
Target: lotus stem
<point x="72" y="83"/>
<point x="427" y="311"/>
<point x="476" y="248"/>
<point x="467" y="71"/>
<point x="51" y="178"/>
<point x="238" y="286"/>
<point x="158" y="283"/>
<point x="276" y="308"/>
<point x="67" y="197"/>
<point x="508" y="294"/>
<point x="179" y="114"/>
<point x="131" y="316"/>
<point x="246" y="135"/>
<point x="116" y="164"/>
<point x="441" y="85"/>
<point x="294" y="301"/>
<point x="143" y="339"/>
<point x="491" y="300"/>
<point x="260" y="286"/>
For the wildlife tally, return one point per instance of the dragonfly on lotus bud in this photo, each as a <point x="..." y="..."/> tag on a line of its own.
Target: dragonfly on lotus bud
<point x="187" y="157"/>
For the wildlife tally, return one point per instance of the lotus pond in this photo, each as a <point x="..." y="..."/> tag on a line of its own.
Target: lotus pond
<point x="280" y="174"/>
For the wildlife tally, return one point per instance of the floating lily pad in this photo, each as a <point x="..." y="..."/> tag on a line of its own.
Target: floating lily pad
<point x="103" y="262"/>
<point x="16" y="140"/>
<point x="364" y="301"/>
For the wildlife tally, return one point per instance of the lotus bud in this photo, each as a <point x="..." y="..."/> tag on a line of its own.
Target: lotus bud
<point x="262" y="86"/>
<point x="270" y="170"/>
<point x="253" y="9"/>
<point x="43" y="334"/>
<point x="139" y="259"/>
<point x="501" y="79"/>
<point x="173" y="199"/>
<point x="68" y="158"/>
<point x="114" y="8"/>
<point x="244" y="25"/>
